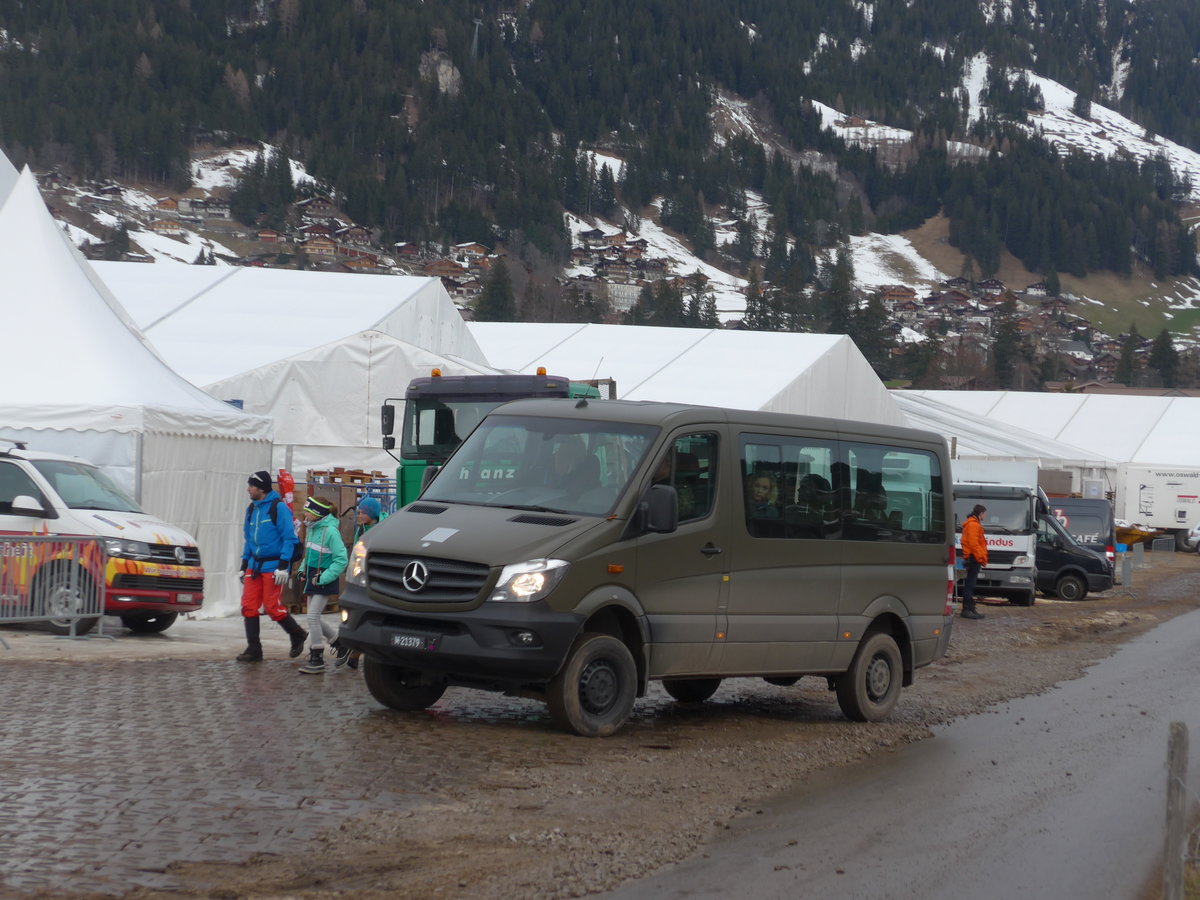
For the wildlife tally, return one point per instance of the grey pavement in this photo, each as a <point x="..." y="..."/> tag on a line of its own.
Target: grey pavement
<point x="116" y="761"/>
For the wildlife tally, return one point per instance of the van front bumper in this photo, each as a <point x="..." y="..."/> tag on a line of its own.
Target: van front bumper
<point x="497" y="646"/>
<point x="119" y="602"/>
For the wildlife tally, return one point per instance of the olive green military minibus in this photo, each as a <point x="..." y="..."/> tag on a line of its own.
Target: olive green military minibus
<point x="575" y="550"/>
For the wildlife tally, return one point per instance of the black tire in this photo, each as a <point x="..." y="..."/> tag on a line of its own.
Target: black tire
<point x="399" y="688"/>
<point x="1023" y="599"/>
<point x="869" y="689"/>
<point x="1181" y="541"/>
<point x="691" y="690"/>
<point x="149" y="624"/>
<point x="593" y="694"/>
<point x="1071" y="587"/>
<point x="63" y="592"/>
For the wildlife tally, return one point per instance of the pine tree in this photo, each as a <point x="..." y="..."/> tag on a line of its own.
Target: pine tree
<point x="496" y="302"/>
<point x="756" y="317"/>
<point x="1164" y="359"/>
<point x="1006" y="345"/>
<point x="1126" y="365"/>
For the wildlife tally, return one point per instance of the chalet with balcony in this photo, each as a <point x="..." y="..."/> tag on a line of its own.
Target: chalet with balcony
<point x="318" y="246"/>
<point x="445" y="268"/>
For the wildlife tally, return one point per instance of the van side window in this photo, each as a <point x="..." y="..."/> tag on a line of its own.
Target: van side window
<point x="15" y="483"/>
<point x="691" y="468"/>
<point x="788" y="484"/>
<point x="892" y="494"/>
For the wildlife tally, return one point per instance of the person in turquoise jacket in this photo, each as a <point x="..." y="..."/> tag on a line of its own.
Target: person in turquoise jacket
<point x="324" y="561"/>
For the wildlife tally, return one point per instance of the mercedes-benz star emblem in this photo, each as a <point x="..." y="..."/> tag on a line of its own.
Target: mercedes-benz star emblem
<point x="415" y="576"/>
<point x="180" y="555"/>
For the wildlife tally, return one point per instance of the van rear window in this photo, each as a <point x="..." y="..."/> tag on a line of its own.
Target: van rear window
<point x="820" y="489"/>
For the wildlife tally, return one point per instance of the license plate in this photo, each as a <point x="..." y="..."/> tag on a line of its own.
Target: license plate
<point x="183" y="598"/>
<point x="423" y="642"/>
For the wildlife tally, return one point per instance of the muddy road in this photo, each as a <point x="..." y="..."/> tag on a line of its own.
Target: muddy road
<point x="140" y="775"/>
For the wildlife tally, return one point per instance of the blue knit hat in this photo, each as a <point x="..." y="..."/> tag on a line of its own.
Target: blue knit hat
<point x="370" y="508"/>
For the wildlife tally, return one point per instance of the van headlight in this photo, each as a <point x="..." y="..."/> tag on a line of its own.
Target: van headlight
<point x="356" y="572"/>
<point x="1020" y="562"/>
<point x="127" y="549"/>
<point x="528" y="581"/>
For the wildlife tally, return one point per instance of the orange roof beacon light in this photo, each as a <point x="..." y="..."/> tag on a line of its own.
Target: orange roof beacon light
<point x="541" y="370"/>
<point x="436" y="373"/>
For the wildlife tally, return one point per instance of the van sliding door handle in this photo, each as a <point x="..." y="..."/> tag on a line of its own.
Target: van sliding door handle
<point x="710" y="550"/>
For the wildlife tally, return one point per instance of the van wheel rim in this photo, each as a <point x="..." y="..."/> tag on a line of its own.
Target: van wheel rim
<point x="879" y="678"/>
<point x="599" y="685"/>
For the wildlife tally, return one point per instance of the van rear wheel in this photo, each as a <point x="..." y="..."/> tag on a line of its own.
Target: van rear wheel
<point x="691" y="690"/>
<point x="64" y="592"/>
<point x="869" y="689"/>
<point x="400" y="688"/>
<point x="593" y="694"/>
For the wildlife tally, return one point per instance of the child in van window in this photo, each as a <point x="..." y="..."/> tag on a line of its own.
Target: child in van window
<point x="762" y="495"/>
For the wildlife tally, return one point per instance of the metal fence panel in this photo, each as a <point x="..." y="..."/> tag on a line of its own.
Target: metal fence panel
<point x="50" y="578"/>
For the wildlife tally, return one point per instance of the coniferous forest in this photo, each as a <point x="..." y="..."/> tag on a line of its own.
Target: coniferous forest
<point x="437" y="120"/>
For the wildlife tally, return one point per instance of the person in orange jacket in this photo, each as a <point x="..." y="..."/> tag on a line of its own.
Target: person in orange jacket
<point x="974" y="551"/>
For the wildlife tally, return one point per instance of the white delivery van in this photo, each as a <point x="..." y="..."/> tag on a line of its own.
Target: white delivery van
<point x="152" y="569"/>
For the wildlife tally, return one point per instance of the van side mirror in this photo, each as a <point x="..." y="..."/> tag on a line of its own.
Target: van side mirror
<point x="387" y="422"/>
<point x="658" y="510"/>
<point x="428" y="475"/>
<point x="24" y="505"/>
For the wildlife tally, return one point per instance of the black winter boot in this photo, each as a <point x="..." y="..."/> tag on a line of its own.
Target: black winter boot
<point x="296" y="633"/>
<point x="341" y="655"/>
<point x="253" y="651"/>
<point x="315" y="664"/>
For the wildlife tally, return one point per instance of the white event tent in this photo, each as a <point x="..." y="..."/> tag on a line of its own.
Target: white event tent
<point x="974" y="436"/>
<point x="810" y="374"/>
<point x="1127" y="429"/>
<point x="318" y="352"/>
<point x="76" y="377"/>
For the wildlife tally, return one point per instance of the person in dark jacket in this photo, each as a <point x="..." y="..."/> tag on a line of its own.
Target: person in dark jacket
<point x="270" y="547"/>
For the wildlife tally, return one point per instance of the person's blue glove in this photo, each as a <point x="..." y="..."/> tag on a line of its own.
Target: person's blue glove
<point x="280" y="576"/>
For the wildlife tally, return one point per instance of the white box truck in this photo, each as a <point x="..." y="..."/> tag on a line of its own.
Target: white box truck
<point x="1163" y="497"/>
<point x="1009" y="490"/>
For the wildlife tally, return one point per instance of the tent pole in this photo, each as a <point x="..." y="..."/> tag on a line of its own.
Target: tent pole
<point x="137" y="468"/>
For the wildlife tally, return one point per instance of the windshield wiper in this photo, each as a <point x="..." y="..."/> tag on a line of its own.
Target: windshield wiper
<point x="530" y="508"/>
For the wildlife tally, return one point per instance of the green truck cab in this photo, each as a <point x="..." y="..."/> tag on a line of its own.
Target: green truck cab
<point x="574" y="551"/>
<point x="441" y="410"/>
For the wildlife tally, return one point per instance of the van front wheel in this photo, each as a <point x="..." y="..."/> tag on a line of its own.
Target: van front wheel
<point x="593" y="694"/>
<point x="869" y="689"/>
<point x="399" y="688"/>
<point x="1071" y="587"/>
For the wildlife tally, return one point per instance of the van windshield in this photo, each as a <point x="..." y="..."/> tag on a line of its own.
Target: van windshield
<point x="544" y="464"/>
<point x="84" y="487"/>
<point x="1085" y="528"/>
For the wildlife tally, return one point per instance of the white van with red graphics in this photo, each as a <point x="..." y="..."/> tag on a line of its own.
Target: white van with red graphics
<point x="152" y="570"/>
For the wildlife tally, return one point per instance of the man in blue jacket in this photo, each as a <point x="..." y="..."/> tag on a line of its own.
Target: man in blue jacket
<point x="266" y="559"/>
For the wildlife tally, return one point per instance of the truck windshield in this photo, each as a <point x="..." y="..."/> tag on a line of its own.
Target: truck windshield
<point x="84" y="487"/>
<point x="544" y="464"/>
<point x="1004" y="516"/>
<point x="434" y="427"/>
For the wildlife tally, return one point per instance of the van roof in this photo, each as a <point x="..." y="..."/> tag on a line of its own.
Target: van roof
<point x="672" y="415"/>
<point x="15" y="452"/>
